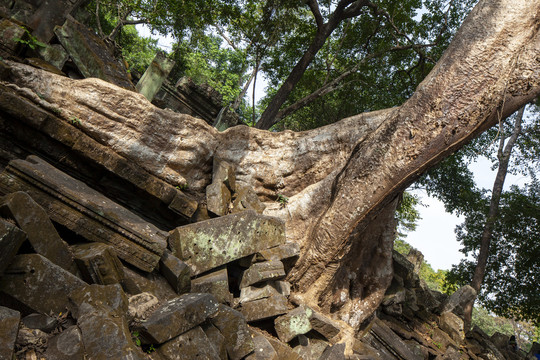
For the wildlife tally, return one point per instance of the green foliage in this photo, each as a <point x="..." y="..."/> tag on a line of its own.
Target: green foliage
<point x="407" y="214"/>
<point x="32" y="42"/>
<point x="135" y="336"/>
<point x="282" y="200"/>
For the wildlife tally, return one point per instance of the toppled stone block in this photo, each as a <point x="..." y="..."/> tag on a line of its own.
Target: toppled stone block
<point x="218" y="198"/>
<point x="31" y="337"/>
<point x="233" y="327"/>
<point x="38" y="283"/>
<point x="286" y="251"/>
<point x="177" y="316"/>
<point x="311" y="348"/>
<point x="264" y="308"/>
<point x="176" y="272"/>
<point x="457" y="300"/>
<point x="155" y="74"/>
<point x="137" y="282"/>
<point x="263" y="350"/>
<point x="8" y="331"/>
<point x="100" y="311"/>
<point x="54" y="55"/>
<point x="215" y="283"/>
<point x="193" y="344"/>
<point x="283" y="287"/>
<point x="98" y="264"/>
<point x="9" y="31"/>
<point x="251" y="293"/>
<point x="183" y="205"/>
<point x="335" y="352"/>
<point x="66" y="346"/>
<point x="85" y="211"/>
<point x="404" y="269"/>
<point x="217" y="340"/>
<point x="453" y="326"/>
<point x="224" y="172"/>
<point x="34" y="221"/>
<point x="11" y="239"/>
<point x="264" y="271"/>
<point x="292" y="324"/>
<point x="140" y="305"/>
<point x="247" y="199"/>
<point x="386" y="338"/>
<point x="40" y="321"/>
<point x="208" y="244"/>
<point x="284" y="351"/>
<point x="323" y="325"/>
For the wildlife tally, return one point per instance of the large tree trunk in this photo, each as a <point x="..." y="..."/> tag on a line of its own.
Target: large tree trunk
<point x="342" y="180"/>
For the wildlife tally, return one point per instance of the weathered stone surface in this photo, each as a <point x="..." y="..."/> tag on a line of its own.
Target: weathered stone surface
<point x="98" y="264"/>
<point x="224" y="172"/>
<point x="38" y="283"/>
<point x="140" y="305"/>
<point x="54" y="55"/>
<point x="183" y="205"/>
<point x="335" y="352"/>
<point x="34" y="221"/>
<point x="283" y="287"/>
<point x="31" y="337"/>
<point x="137" y="282"/>
<point x="40" y="321"/>
<point x="66" y="346"/>
<point x="282" y="252"/>
<point x="217" y="340"/>
<point x="209" y="244"/>
<point x="193" y="344"/>
<point x="50" y="14"/>
<point x="263" y="350"/>
<point x="457" y="300"/>
<point x="310" y="348"/>
<point x="323" y="325"/>
<point x="155" y="74"/>
<point x="251" y="293"/>
<point x="247" y="199"/>
<point x="453" y="326"/>
<point x="263" y="271"/>
<point x="284" y="351"/>
<point x="100" y="311"/>
<point x="218" y="198"/>
<point x="11" y="239"/>
<point x="264" y="308"/>
<point x="177" y="316"/>
<point x="176" y="272"/>
<point x="292" y="324"/>
<point x="233" y="327"/>
<point x="215" y="283"/>
<point x="91" y="55"/>
<point x="385" y="337"/>
<point x="9" y="31"/>
<point x="8" y="331"/>
<point x="405" y="270"/>
<point x="85" y="211"/>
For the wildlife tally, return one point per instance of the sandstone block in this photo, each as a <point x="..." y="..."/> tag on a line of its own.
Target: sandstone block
<point x="176" y="272"/>
<point x="38" y="283"/>
<point x="183" y="205"/>
<point x="292" y="324"/>
<point x="155" y="74"/>
<point x="217" y="340"/>
<point x="137" y="282"/>
<point x="177" y="316"/>
<point x="395" y="345"/>
<point x="85" y="211"/>
<point x="66" y="346"/>
<point x="283" y="287"/>
<point x="11" y="239"/>
<point x="453" y="326"/>
<point x="233" y="327"/>
<point x="247" y="199"/>
<point x="251" y="293"/>
<point x="8" y="331"/>
<point x="218" y="198"/>
<point x="98" y="264"/>
<point x="284" y="351"/>
<point x="140" y="305"/>
<point x="40" y="321"/>
<point x="208" y="244"/>
<point x="224" y="172"/>
<point x="457" y="300"/>
<point x="34" y="221"/>
<point x="335" y="352"/>
<point x="263" y="350"/>
<point x="264" y="308"/>
<point x="193" y="344"/>
<point x="323" y="325"/>
<point x="282" y="252"/>
<point x="215" y="283"/>
<point x="264" y="271"/>
<point x="310" y="349"/>
<point x="99" y="298"/>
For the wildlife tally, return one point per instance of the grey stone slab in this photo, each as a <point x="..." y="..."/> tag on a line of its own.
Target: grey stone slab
<point x="294" y="323"/>
<point x="66" y="346"/>
<point x="263" y="350"/>
<point x="217" y="340"/>
<point x="40" y="321"/>
<point x="137" y="282"/>
<point x="218" y="198"/>
<point x="140" y="305"/>
<point x="335" y="352"/>
<point x="176" y="272"/>
<point x="233" y="327"/>
<point x="11" y="239"/>
<point x="263" y="271"/>
<point x="323" y="325"/>
<point x="8" y="331"/>
<point x="99" y="298"/>
<point x="251" y="293"/>
<point x="155" y="74"/>
<point x="208" y="244"/>
<point x="264" y="308"/>
<point x="282" y="252"/>
<point x="35" y="222"/>
<point x="39" y="284"/>
<point x="384" y="335"/>
<point x="98" y="264"/>
<point x="183" y="205"/>
<point x="312" y="349"/>
<point x="193" y="344"/>
<point x="215" y="283"/>
<point x="458" y="299"/>
<point x="176" y="317"/>
<point x="224" y="172"/>
<point x="283" y="350"/>
<point x="85" y="211"/>
<point x="246" y="199"/>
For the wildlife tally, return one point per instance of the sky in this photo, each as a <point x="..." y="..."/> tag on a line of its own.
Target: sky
<point x="434" y="235"/>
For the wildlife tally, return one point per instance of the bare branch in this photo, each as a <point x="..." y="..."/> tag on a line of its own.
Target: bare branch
<point x="314" y="7"/>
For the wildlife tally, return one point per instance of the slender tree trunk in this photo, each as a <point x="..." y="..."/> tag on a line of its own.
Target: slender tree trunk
<point x="503" y="155"/>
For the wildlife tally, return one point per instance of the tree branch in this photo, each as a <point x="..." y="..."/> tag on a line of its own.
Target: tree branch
<point x="314" y="7"/>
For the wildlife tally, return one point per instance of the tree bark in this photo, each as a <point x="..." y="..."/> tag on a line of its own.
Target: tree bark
<point x="503" y="155"/>
<point x="342" y="180"/>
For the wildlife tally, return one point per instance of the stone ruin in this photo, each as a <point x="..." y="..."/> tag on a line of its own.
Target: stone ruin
<point x="103" y="260"/>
